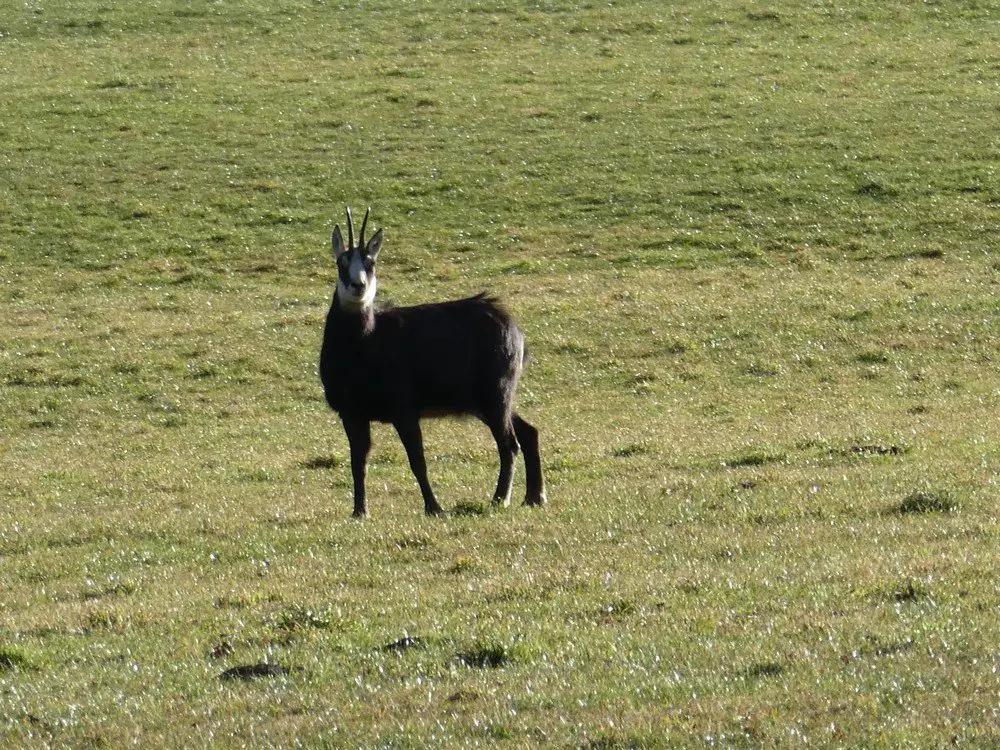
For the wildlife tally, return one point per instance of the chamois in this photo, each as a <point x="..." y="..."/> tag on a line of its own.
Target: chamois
<point x="398" y="365"/>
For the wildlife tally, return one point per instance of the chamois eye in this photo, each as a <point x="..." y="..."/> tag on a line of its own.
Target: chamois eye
<point x="369" y="264"/>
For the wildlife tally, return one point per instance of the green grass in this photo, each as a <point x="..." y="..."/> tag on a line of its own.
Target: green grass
<point x="752" y="249"/>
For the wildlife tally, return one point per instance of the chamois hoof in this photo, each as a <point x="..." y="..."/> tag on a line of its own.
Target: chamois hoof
<point x="360" y="514"/>
<point x="433" y="510"/>
<point x="535" y="501"/>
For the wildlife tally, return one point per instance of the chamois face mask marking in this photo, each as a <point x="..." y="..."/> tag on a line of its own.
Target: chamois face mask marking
<point x="356" y="281"/>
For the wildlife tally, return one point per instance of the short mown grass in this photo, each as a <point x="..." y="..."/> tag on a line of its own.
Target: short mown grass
<point x="752" y="251"/>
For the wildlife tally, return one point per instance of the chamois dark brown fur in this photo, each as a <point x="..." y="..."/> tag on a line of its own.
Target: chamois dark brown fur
<point x="399" y="365"/>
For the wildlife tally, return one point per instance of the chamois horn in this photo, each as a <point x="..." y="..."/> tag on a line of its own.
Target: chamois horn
<point x="364" y="223"/>
<point x="350" y="229"/>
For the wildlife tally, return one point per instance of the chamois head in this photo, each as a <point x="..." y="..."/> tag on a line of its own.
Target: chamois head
<point x="356" y="265"/>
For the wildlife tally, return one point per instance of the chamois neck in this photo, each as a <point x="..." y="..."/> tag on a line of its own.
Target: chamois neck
<point x="362" y="316"/>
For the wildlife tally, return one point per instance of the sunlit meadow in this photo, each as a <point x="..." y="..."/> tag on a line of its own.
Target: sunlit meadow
<point x="752" y="248"/>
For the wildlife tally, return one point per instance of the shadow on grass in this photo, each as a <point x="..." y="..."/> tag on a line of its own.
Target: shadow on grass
<point x="926" y="501"/>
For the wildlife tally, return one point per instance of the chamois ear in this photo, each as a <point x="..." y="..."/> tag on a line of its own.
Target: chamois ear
<point x="338" y="242"/>
<point x="374" y="245"/>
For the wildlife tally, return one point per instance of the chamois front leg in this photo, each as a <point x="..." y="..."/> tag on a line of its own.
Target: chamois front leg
<point x="360" y="439"/>
<point x="410" y="435"/>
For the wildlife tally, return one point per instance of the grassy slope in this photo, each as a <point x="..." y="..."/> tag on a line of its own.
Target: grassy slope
<point x="751" y="248"/>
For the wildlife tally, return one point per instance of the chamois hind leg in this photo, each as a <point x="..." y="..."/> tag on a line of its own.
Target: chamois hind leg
<point x="503" y="434"/>
<point x="527" y="436"/>
<point x="410" y="435"/>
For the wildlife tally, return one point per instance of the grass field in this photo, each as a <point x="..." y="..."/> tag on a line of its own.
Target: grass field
<point x="753" y="249"/>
